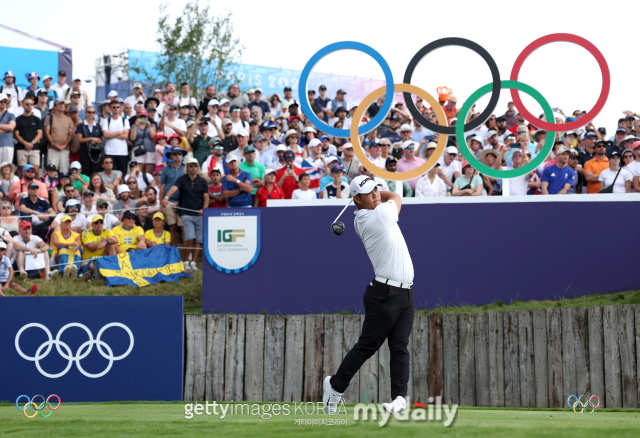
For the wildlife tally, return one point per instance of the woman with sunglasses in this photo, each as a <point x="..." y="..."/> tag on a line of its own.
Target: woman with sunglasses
<point x="89" y="134"/>
<point x="8" y="177"/>
<point x="132" y="183"/>
<point x="78" y="221"/>
<point x="8" y="221"/>
<point x="615" y="176"/>
<point x="96" y="185"/>
<point x="269" y="190"/>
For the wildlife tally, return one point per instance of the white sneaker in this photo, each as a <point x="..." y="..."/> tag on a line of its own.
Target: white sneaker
<point x="330" y="397"/>
<point x="194" y="268"/>
<point x="397" y="406"/>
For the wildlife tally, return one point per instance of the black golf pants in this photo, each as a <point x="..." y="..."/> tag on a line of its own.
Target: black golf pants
<point x="389" y="314"/>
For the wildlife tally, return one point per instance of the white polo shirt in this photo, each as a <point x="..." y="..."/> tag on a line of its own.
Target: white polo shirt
<point x="115" y="146"/>
<point x="379" y="231"/>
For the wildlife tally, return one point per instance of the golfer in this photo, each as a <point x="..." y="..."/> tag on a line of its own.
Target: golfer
<point x="388" y="299"/>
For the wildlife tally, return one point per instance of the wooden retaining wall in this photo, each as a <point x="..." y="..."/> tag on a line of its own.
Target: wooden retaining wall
<point x="527" y="358"/>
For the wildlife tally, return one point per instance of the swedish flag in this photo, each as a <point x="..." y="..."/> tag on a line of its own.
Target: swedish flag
<point x="144" y="267"/>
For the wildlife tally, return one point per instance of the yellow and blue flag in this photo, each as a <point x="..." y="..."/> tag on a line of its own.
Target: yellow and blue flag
<point x="143" y="267"/>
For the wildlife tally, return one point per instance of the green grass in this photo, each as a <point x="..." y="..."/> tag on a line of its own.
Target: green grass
<point x="168" y="419"/>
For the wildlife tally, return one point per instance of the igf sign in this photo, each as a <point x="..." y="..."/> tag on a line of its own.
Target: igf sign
<point x="232" y="239"/>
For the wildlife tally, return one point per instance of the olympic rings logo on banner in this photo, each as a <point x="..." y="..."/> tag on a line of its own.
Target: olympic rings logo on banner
<point x="38" y="408"/>
<point x="494" y="87"/>
<point x="83" y="350"/>
<point x="583" y="406"/>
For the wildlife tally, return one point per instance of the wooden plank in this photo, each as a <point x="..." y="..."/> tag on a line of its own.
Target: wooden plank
<point x="483" y="397"/>
<point x="637" y="331"/>
<point x="189" y="372"/>
<point x="596" y="353"/>
<point x="554" y="358"/>
<point x="332" y="349"/>
<point x="569" y="365"/>
<point x="581" y="349"/>
<point x="466" y="358"/>
<point x="496" y="359"/>
<point x="450" y="353"/>
<point x="612" y="366"/>
<point x="254" y="358"/>
<point x="274" y="338"/>
<point x="293" y="358"/>
<point x="628" y="357"/>
<point x="369" y="378"/>
<point x="384" y="374"/>
<point x="526" y="359"/>
<point x="234" y="358"/>
<point x="313" y="340"/>
<point x="352" y="327"/>
<point x="436" y="357"/>
<point x="511" y="368"/>
<point x="420" y="358"/>
<point x="540" y="364"/>
<point x="216" y="339"/>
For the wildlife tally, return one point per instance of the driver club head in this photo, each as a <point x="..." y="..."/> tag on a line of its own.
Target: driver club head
<point x="337" y="228"/>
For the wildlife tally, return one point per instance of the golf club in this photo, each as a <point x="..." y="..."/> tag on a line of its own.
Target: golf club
<point x="338" y="227"/>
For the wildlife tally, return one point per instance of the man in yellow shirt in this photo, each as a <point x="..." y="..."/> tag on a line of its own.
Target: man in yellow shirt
<point x="158" y="235"/>
<point x="69" y="241"/>
<point x="98" y="242"/>
<point x="130" y="237"/>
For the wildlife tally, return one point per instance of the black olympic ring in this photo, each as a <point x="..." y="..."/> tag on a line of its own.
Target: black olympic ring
<point x="495" y="91"/>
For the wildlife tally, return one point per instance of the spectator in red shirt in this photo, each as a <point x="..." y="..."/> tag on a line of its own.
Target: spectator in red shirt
<point x="216" y="197"/>
<point x="287" y="176"/>
<point x="269" y="190"/>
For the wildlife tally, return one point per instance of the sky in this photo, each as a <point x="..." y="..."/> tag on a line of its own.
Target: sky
<point x="286" y="35"/>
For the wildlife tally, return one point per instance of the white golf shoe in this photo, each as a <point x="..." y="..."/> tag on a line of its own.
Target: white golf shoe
<point x="397" y="406"/>
<point x="330" y="397"/>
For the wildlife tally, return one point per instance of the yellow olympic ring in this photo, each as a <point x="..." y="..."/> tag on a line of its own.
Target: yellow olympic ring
<point x="34" y="407"/>
<point x="582" y="407"/>
<point x="385" y="174"/>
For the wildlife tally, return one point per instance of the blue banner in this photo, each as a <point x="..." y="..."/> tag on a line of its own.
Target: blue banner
<point x="92" y="348"/>
<point x="144" y="267"/>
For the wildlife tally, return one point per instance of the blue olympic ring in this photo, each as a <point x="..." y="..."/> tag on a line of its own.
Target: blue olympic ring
<point x="304" y="77"/>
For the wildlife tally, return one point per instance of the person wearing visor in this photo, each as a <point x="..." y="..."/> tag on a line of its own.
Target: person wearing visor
<point x="388" y="298"/>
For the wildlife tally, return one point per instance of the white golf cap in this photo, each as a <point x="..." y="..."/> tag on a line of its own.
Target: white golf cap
<point x="3" y="96"/>
<point x="490" y="134"/>
<point x="113" y="93"/>
<point x="309" y="129"/>
<point x="281" y="147"/>
<point x="243" y="132"/>
<point x="451" y="150"/>
<point x="232" y="158"/>
<point x="353" y="106"/>
<point x="268" y="171"/>
<point x="331" y="159"/>
<point x="213" y="102"/>
<point x="223" y="101"/>
<point x="314" y="142"/>
<point x="137" y="85"/>
<point x="3" y="245"/>
<point x="408" y="143"/>
<point x="191" y="161"/>
<point x="405" y="127"/>
<point x="362" y="184"/>
<point x="347" y="146"/>
<point x="71" y="202"/>
<point x="562" y="150"/>
<point x="123" y="188"/>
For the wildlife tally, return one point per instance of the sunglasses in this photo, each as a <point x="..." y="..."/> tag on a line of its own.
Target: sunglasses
<point x="453" y="155"/>
<point x="90" y="112"/>
<point x="6" y="208"/>
<point x="29" y="171"/>
<point x="98" y="222"/>
<point x="132" y="182"/>
<point x="26" y="104"/>
<point x="108" y="162"/>
<point x="193" y="165"/>
<point x="410" y="147"/>
<point x="628" y="156"/>
<point x="218" y="147"/>
<point x="600" y="146"/>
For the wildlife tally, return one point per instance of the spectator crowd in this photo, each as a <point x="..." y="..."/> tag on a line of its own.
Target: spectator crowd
<point x="136" y="171"/>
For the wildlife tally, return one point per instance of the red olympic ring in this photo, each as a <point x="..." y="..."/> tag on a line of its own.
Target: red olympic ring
<point x="604" y="93"/>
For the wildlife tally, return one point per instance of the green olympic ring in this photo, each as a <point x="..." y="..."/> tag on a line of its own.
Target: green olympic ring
<point x="496" y="173"/>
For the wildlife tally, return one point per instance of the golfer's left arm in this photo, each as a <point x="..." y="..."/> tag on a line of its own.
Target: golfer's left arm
<point x="390" y="196"/>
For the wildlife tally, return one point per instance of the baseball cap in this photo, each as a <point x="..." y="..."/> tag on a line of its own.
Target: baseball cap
<point x="289" y="155"/>
<point x="231" y="158"/>
<point x="362" y="184"/>
<point x="248" y="149"/>
<point x="490" y="133"/>
<point x="390" y="160"/>
<point x="287" y="88"/>
<point x="562" y="150"/>
<point x="3" y="245"/>
<point x="123" y="188"/>
<point x="589" y="134"/>
<point x="158" y="215"/>
<point x="112" y="93"/>
<point x="102" y="202"/>
<point x="260" y="137"/>
<point x="293" y="102"/>
<point x="347" y="146"/>
<point x="71" y="202"/>
<point x="451" y="150"/>
<point x="322" y="87"/>
<point x="142" y="113"/>
<point x="3" y="96"/>
<point x="268" y="171"/>
<point x="243" y="132"/>
<point x="226" y="122"/>
<point x="73" y="109"/>
<point x="76" y="165"/>
<point x="128" y="214"/>
<point x="635" y="145"/>
<point x="337" y="168"/>
<point x="33" y="186"/>
<point x="137" y="85"/>
<point x="97" y="217"/>
<point x="314" y="142"/>
<point x="331" y="159"/>
<point x="66" y="218"/>
<point x="88" y="193"/>
<point x="341" y="91"/>
<point x="190" y="161"/>
<point x="215" y="141"/>
<point x="61" y="175"/>
<point x="177" y="150"/>
<point x="408" y="144"/>
<point x="183" y="104"/>
<point x="213" y="102"/>
<point x="223" y="101"/>
<point x="323" y="137"/>
<point x="621" y="130"/>
<point x="24" y="224"/>
<point x="340" y="108"/>
<point x="615" y="153"/>
<point x="405" y="127"/>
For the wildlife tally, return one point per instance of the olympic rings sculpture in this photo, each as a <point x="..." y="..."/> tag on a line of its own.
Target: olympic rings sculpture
<point x="583" y="406"/>
<point x="494" y="87"/>
<point x="38" y="408"/>
<point x="83" y="350"/>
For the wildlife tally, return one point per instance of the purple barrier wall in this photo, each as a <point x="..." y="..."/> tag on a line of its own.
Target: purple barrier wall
<point x="462" y="254"/>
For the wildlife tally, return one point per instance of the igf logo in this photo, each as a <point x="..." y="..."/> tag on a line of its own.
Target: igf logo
<point x="229" y="235"/>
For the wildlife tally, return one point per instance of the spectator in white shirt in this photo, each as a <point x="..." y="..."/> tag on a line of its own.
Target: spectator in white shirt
<point x="185" y="97"/>
<point x="61" y="86"/>
<point x="116" y="131"/>
<point x="431" y="185"/>
<point x="449" y="168"/>
<point x="138" y="95"/>
<point x="170" y="124"/>
<point x="303" y="192"/>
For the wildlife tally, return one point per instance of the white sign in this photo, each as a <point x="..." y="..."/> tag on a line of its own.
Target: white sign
<point x="233" y="241"/>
